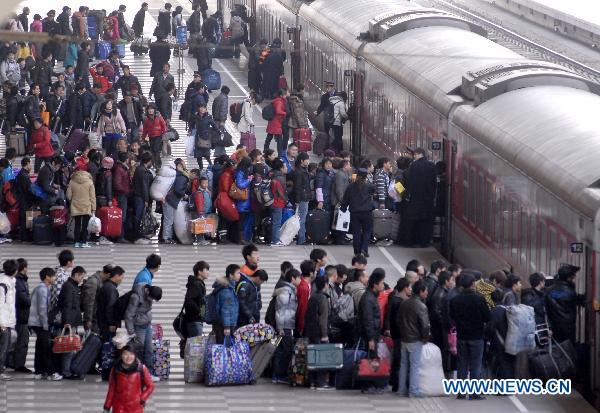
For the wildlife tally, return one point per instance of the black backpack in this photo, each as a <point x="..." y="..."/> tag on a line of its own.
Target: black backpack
<point x="121" y="305"/>
<point x="270" y="317"/>
<point x="268" y="112"/>
<point x="329" y="114"/>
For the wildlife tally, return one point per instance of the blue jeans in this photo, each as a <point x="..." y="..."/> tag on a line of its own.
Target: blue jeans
<point x="195" y="329"/>
<point x="144" y="346"/>
<point x="470" y="358"/>
<point x="302" y="212"/>
<point x="138" y="209"/>
<point x="409" y="365"/>
<point x="168" y="219"/>
<point x="276" y="214"/>
<point x="362" y="229"/>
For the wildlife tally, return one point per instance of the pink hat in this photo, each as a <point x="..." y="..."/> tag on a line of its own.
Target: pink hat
<point x="107" y="162"/>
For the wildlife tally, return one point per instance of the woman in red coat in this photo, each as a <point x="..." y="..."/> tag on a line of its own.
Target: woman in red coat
<point x="153" y="128"/>
<point x="130" y="384"/>
<point x="98" y="76"/>
<point x="275" y="125"/>
<point x="40" y="144"/>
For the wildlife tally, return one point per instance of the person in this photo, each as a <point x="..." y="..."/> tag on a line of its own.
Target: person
<point x="382" y="181"/>
<point x="42" y="73"/>
<point x="243" y="179"/>
<point x="66" y="261"/>
<point x="298" y="116"/>
<point x="32" y="105"/>
<point x="64" y="21"/>
<point x="220" y="108"/>
<point x="204" y="124"/>
<point x="501" y="364"/>
<point x="160" y="53"/>
<point x="272" y="69"/>
<point x="171" y="201"/>
<point x="431" y="279"/>
<point x="238" y="33"/>
<point x="420" y="192"/>
<point x="82" y="197"/>
<point x="111" y="127"/>
<point x="358" y="198"/>
<point x="302" y="193"/>
<point x="536" y="296"/>
<point x="317" y="325"/>
<point x="142" y="178"/>
<point x="36" y="25"/>
<point x="133" y="115"/>
<point x="24" y="18"/>
<point x="146" y="275"/>
<point x="123" y="29"/>
<point x="340" y="116"/>
<point x="69" y="307"/>
<point x="413" y="323"/>
<point x="368" y="322"/>
<point x="22" y="305"/>
<point x="319" y="257"/>
<point x="357" y="287"/>
<point x="127" y="80"/>
<point x="39" y="322"/>
<point x="307" y="269"/>
<point x="402" y="292"/>
<point x="107" y="300"/>
<point x="324" y="185"/>
<point x="161" y="81"/>
<point x="130" y="384"/>
<point x="194" y="302"/>
<point x="275" y="125"/>
<point x="341" y="181"/>
<point x="99" y="76"/>
<point x="439" y="317"/>
<point x="561" y="304"/>
<point x="10" y="71"/>
<point x="56" y="106"/>
<point x="289" y="157"/>
<point x="227" y="306"/>
<point x="513" y="290"/>
<point x="82" y="66"/>
<point x="8" y="316"/>
<point x="90" y="291"/>
<point x="249" y="298"/>
<point x="112" y="31"/>
<point x="139" y="20"/>
<point x="22" y="190"/>
<point x="40" y="144"/>
<point x="153" y="128"/>
<point x="286" y="306"/>
<point x="280" y="200"/>
<point x="251" y="256"/>
<point x="324" y="103"/>
<point x="104" y="189"/>
<point x="470" y="313"/>
<point x="138" y="320"/>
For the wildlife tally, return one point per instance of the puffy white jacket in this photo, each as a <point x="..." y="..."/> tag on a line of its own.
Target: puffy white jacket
<point x="246" y="120"/>
<point x="8" y="313"/>
<point x="339" y="110"/>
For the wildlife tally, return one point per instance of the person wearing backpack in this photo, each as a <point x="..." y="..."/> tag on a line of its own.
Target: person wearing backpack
<point x="138" y="321"/>
<point x="325" y="103"/>
<point x="8" y="313"/>
<point x="223" y="306"/>
<point x="275" y="125"/>
<point x="238" y="33"/>
<point x="106" y="310"/>
<point x="286" y="305"/>
<point x="278" y="187"/>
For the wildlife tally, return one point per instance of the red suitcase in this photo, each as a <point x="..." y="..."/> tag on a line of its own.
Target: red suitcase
<point x="13" y="217"/>
<point x="112" y="221"/>
<point x="303" y="139"/>
<point x="248" y="139"/>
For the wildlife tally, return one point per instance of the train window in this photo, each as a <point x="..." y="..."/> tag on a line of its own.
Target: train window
<point x="473" y="195"/>
<point x="553" y="250"/>
<point x="524" y="235"/>
<point x="465" y="208"/>
<point x="543" y="247"/>
<point x="516" y="212"/>
<point x="481" y="210"/>
<point x="533" y="255"/>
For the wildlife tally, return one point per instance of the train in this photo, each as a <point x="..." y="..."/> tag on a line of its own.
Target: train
<point x="519" y="138"/>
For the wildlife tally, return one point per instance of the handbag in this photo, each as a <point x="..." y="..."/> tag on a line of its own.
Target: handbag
<point x="179" y="324"/>
<point x="66" y="343"/>
<point x="227" y="139"/>
<point x="373" y="370"/>
<point x="149" y="224"/>
<point x="238" y="194"/>
<point x="216" y="138"/>
<point x="202" y="143"/>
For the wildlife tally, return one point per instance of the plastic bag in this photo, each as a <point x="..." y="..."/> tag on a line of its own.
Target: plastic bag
<point x="190" y="143"/>
<point x="94" y="226"/>
<point x="4" y="223"/>
<point x="149" y="225"/>
<point x="431" y="372"/>
<point x="290" y="229"/>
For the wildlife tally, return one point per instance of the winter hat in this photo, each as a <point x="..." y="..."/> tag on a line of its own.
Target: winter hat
<point x="155" y="292"/>
<point x="108" y="162"/>
<point x="362" y="172"/>
<point x="329" y="153"/>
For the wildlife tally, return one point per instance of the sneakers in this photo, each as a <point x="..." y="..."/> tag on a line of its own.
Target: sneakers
<point x="55" y="377"/>
<point x="324" y="388"/>
<point x="169" y="242"/>
<point x="155" y="379"/>
<point x="142" y="241"/>
<point x="204" y="243"/>
<point x="23" y="370"/>
<point x="85" y="245"/>
<point x="313" y="387"/>
<point x="278" y="244"/>
<point x="40" y="377"/>
<point x="77" y="245"/>
<point x="105" y="241"/>
<point x="5" y="377"/>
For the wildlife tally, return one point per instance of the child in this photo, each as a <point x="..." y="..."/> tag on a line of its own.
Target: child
<point x="130" y="384"/>
<point x="203" y="203"/>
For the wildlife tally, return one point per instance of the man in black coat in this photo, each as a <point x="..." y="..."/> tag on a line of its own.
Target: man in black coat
<point x="195" y="299"/>
<point x="23" y="194"/>
<point x="254" y="69"/>
<point x="107" y="300"/>
<point x="159" y="53"/>
<point x="64" y="20"/>
<point x="127" y="80"/>
<point x="22" y="303"/>
<point x="139" y="19"/>
<point x="69" y="305"/>
<point x="52" y="27"/>
<point x="418" y="201"/>
<point x="24" y="18"/>
<point x="76" y="107"/>
<point x="133" y="115"/>
<point x="440" y="318"/>
<point x="562" y="302"/>
<point x="142" y="178"/>
<point x="82" y="68"/>
<point x="272" y="69"/>
<point x="248" y="292"/>
<point x="45" y="180"/>
<point x="163" y="28"/>
<point x="536" y="296"/>
<point x="123" y="32"/>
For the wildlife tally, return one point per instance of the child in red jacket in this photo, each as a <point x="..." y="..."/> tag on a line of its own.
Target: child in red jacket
<point x="130" y="384"/>
<point x="99" y="77"/>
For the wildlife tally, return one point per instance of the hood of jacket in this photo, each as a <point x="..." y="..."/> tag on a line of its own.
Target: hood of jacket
<point x="295" y="99"/>
<point x="285" y="288"/>
<point x="81" y="177"/>
<point x="353" y="286"/>
<point x="192" y="279"/>
<point x="335" y="99"/>
<point x="222" y="282"/>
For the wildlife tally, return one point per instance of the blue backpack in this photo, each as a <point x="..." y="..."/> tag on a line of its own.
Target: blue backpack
<point x="211" y="316"/>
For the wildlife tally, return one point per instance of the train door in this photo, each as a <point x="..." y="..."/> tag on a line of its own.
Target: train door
<point x="355" y="110"/>
<point x="294" y="35"/>
<point x="449" y="156"/>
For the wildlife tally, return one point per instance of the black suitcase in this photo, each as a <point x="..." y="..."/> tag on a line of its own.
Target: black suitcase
<point x="85" y="359"/>
<point x="383" y="223"/>
<point x="42" y="230"/>
<point x="555" y="361"/>
<point x="266" y="229"/>
<point x="224" y="50"/>
<point x="318" y="222"/>
<point x="344" y="378"/>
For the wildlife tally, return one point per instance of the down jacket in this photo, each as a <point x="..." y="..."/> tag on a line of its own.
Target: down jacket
<point x="40" y="304"/>
<point x="139" y="310"/>
<point x="298" y="118"/>
<point x="128" y="388"/>
<point x="286" y="305"/>
<point x="195" y="300"/>
<point x="69" y="303"/>
<point x="154" y="127"/>
<point x="249" y="301"/>
<point x="275" y="125"/>
<point x="40" y="143"/>
<point x="8" y="316"/>
<point x="227" y="304"/>
<point x="82" y="194"/>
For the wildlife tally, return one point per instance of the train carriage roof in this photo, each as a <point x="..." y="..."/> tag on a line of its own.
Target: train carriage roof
<point x="550" y="133"/>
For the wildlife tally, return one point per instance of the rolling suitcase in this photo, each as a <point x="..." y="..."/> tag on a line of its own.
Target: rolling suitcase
<point x="321" y="143"/>
<point x="162" y="359"/>
<point x="85" y="359"/>
<point x="108" y="353"/>
<point x="318" y="222"/>
<point x="344" y="378"/>
<point x="16" y="140"/>
<point x="42" y="230"/>
<point x="555" y="361"/>
<point x="76" y="141"/>
<point x="248" y="139"/>
<point x="328" y="356"/>
<point x="102" y="50"/>
<point x="262" y="354"/>
<point x="120" y="47"/>
<point x="212" y="79"/>
<point x="303" y="139"/>
<point x="112" y="221"/>
<point x="382" y="223"/>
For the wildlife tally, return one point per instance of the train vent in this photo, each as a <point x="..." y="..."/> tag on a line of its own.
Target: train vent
<point x="489" y="82"/>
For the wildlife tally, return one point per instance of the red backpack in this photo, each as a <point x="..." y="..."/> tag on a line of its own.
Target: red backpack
<point x="235" y="112"/>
